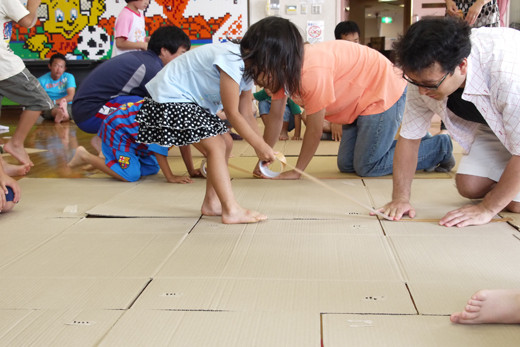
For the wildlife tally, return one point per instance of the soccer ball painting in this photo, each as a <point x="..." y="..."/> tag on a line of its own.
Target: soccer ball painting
<point x="93" y="43"/>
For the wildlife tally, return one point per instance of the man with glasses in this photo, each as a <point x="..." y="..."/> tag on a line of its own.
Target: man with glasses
<point x="472" y="80"/>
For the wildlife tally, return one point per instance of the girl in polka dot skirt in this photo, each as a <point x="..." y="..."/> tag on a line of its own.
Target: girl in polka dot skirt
<point x="188" y="92"/>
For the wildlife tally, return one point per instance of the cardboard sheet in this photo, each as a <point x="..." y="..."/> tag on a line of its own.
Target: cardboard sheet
<point x="424" y="331"/>
<point x="431" y="198"/>
<point x="514" y="216"/>
<point x="350" y="225"/>
<point x="101" y="254"/>
<point x="264" y="295"/>
<point x="66" y="198"/>
<point x="66" y="293"/>
<point x="284" y="256"/>
<point x="55" y="327"/>
<point x="226" y="329"/>
<point x="152" y="198"/>
<point x="414" y="227"/>
<point x="20" y="233"/>
<point x="491" y="258"/>
<point x="302" y="199"/>
<point x="446" y="297"/>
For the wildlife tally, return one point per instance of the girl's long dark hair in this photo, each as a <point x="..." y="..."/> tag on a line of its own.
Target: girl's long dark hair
<point x="273" y="47"/>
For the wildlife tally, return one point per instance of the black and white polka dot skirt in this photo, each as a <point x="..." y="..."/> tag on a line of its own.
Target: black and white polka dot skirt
<point x="489" y="16"/>
<point x="176" y="124"/>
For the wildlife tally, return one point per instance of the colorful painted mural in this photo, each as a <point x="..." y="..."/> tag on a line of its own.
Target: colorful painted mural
<point x="84" y="29"/>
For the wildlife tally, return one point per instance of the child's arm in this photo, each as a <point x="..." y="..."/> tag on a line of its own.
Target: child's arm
<point x="29" y="20"/>
<point x="297" y="127"/>
<point x="188" y="161"/>
<point x="162" y="160"/>
<point x="231" y="98"/>
<point x="124" y="44"/>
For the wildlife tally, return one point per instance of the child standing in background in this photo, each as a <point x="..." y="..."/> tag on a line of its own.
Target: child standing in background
<point x="129" y="31"/>
<point x="187" y="93"/>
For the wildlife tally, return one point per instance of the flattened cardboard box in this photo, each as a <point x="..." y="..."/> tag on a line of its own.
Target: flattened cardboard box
<point x="413" y="330"/>
<point x="55" y="327"/>
<point x="317" y="256"/>
<point x="458" y="258"/>
<point x="266" y="295"/>
<point x="302" y="199"/>
<point x="215" y="329"/>
<point x="446" y="297"/>
<point x="99" y="254"/>
<point x="17" y="241"/>
<point x="431" y="198"/>
<point x="66" y="198"/>
<point x="151" y="198"/>
<point x="67" y="293"/>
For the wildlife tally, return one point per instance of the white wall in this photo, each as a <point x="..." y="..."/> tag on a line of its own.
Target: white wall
<point x="329" y="14"/>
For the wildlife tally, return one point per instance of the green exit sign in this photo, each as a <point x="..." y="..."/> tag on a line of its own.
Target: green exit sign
<point x="386" y="20"/>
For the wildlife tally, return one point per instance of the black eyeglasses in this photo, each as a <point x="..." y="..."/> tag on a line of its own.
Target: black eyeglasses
<point x="407" y="79"/>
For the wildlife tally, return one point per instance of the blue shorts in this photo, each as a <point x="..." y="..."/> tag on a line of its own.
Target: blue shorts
<point x="265" y="105"/>
<point x="10" y="194"/>
<point x="128" y="165"/>
<point x="93" y="124"/>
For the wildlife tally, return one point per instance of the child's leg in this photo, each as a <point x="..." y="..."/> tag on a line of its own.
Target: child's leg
<point x="284" y="133"/>
<point x="219" y="199"/>
<point x="82" y="157"/>
<point x="15" y="146"/>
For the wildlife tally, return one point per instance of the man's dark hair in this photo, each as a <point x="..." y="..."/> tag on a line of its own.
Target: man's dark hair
<point x="444" y="40"/>
<point x="345" y="28"/>
<point x="57" y="56"/>
<point x="169" y="37"/>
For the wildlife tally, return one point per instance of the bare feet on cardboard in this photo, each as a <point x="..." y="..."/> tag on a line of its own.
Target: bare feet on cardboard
<point x="79" y="157"/>
<point x="18" y="152"/>
<point x="242" y="216"/>
<point x="490" y="306"/>
<point x="211" y="207"/>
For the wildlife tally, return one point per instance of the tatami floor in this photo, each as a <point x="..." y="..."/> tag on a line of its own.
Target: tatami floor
<point x="86" y="260"/>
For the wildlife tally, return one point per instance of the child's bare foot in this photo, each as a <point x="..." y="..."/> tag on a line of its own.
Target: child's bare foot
<point x="284" y="136"/>
<point x="60" y="116"/>
<point x="16" y="170"/>
<point x="490" y="306"/>
<point x="18" y="152"/>
<point x="211" y="207"/>
<point x="79" y="157"/>
<point x="242" y="216"/>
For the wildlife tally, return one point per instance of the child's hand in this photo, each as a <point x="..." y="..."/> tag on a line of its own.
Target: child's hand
<point x="144" y="46"/>
<point x="179" y="179"/>
<point x="196" y="173"/>
<point x="265" y="153"/>
<point x="336" y="131"/>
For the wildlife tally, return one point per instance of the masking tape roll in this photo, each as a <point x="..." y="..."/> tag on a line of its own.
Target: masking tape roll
<point x="266" y="169"/>
<point x="203" y="168"/>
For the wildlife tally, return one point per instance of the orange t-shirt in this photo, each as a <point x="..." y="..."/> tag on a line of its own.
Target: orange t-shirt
<point x="348" y="80"/>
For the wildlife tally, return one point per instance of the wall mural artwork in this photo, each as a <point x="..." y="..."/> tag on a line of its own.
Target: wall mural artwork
<point x="84" y="29"/>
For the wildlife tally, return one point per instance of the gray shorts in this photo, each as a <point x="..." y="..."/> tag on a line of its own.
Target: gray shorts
<point x="487" y="157"/>
<point x="24" y="88"/>
<point x="47" y="114"/>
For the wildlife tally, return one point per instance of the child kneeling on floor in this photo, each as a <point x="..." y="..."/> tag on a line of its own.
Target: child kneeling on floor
<point x="125" y="159"/>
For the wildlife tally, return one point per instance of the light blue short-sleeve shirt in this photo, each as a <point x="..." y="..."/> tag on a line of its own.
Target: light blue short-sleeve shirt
<point x="194" y="76"/>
